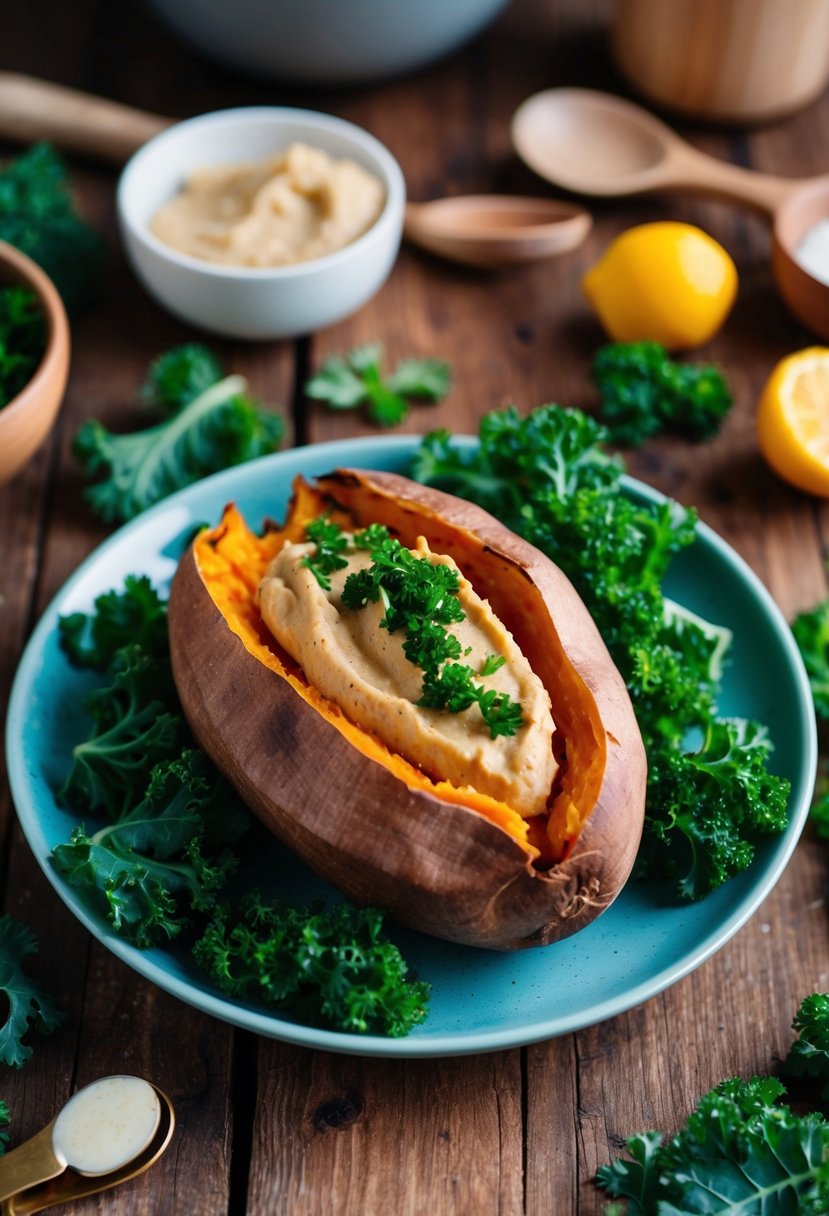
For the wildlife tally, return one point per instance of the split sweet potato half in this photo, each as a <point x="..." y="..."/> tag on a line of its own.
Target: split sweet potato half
<point x="448" y="861"/>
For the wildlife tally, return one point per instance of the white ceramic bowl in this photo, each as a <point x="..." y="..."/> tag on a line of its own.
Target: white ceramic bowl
<point x="243" y="302"/>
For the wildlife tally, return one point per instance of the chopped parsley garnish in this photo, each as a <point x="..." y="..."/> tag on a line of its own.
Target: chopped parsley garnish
<point x="420" y="598"/>
<point x="331" y="544"/>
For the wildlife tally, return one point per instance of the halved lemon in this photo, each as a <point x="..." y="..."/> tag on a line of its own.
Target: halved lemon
<point x="793" y="420"/>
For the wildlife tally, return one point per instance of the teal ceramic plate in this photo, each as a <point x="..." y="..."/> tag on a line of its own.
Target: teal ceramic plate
<point x="481" y="1000"/>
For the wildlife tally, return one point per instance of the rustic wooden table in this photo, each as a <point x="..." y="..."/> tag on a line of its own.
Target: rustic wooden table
<point x="521" y="1130"/>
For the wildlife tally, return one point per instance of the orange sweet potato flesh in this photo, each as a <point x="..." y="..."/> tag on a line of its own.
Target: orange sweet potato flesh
<point x="450" y="862"/>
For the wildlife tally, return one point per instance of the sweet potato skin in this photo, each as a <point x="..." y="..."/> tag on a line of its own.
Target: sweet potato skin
<point x="438" y="867"/>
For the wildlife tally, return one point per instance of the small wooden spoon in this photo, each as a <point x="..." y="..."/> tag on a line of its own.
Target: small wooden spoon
<point x="595" y="143"/>
<point x="496" y="230"/>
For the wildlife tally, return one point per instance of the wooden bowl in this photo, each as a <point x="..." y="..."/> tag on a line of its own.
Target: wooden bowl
<point x="27" y="419"/>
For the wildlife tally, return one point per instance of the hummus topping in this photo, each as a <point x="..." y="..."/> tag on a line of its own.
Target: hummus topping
<point x="359" y="665"/>
<point x="299" y="205"/>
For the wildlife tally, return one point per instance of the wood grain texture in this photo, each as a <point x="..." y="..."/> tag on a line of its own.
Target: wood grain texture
<point x="341" y="1136"/>
<point x="266" y="1128"/>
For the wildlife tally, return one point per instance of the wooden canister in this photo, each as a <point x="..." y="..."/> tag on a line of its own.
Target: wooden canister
<point x="739" y="60"/>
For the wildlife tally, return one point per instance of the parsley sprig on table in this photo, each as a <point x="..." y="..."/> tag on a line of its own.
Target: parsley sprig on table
<point x="711" y="797"/>
<point x="345" y="382"/>
<point x="421" y="598"/>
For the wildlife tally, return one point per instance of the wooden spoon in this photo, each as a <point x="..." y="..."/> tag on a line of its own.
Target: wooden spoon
<point x="480" y="230"/>
<point x="496" y="230"/>
<point x="595" y="143"/>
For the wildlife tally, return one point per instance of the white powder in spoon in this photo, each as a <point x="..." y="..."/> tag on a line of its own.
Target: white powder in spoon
<point x="812" y="253"/>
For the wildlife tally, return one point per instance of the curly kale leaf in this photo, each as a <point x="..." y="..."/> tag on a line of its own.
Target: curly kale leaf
<point x="135" y="616"/>
<point x="37" y="215"/>
<point x="332" y="966"/>
<point x="29" y="1006"/>
<point x="809" y="1054"/>
<point x="164" y="856"/>
<point x="219" y="427"/>
<point x="547" y="478"/>
<point x="811" y="632"/>
<point x="707" y="808"/>
<point x="179" y="376"/>
<point x="643" y="391"/>
<point x="551" y="454"/>
<point x="134" y="727"/>
<point x="742" y="1152"/>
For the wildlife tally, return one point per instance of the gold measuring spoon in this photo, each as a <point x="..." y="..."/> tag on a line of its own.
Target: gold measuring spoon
<point x="596" y="143"/>
<point x="107" y="1133"/>
<point x="477" y="230"/>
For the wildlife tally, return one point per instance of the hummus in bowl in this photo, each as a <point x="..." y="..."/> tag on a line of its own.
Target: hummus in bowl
<point x="244" y="297"/>
<point x="291" y="207"/>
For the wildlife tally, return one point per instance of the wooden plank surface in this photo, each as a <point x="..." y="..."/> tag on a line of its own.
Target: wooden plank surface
<point x="265" y="1127"/>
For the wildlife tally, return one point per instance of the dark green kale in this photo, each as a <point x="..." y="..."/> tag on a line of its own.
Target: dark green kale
<point x="206" y="429"/>
<point x="28" y="1005"/>
<point x="154" y="868"/>
<point x="332" y="966"/>
<point x="741" y="1151"/>
<point x="22" y="340"/>
<point x="811" y="632"/>
<point x="710" y="795"/>
<point x="809" y="1054"/>
<point x="37" y="215"/>
<point x="179" y="376"/>
<point x="5" y="1120"/>
<point x="164" y="857"/>
<point x="707" y="807"/>
<point x="135" y="724"/>
<point x="643" y="392"/>
<point x="134" y="616"/>
<point x="356" y="379"/>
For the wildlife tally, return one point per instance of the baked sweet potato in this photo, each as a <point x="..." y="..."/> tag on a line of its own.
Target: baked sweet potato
<point x="448" y="861"/>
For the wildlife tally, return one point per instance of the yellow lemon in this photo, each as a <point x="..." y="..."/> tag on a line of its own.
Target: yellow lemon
<point x="793" y="420"/>
<point x="667" y="282"/>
